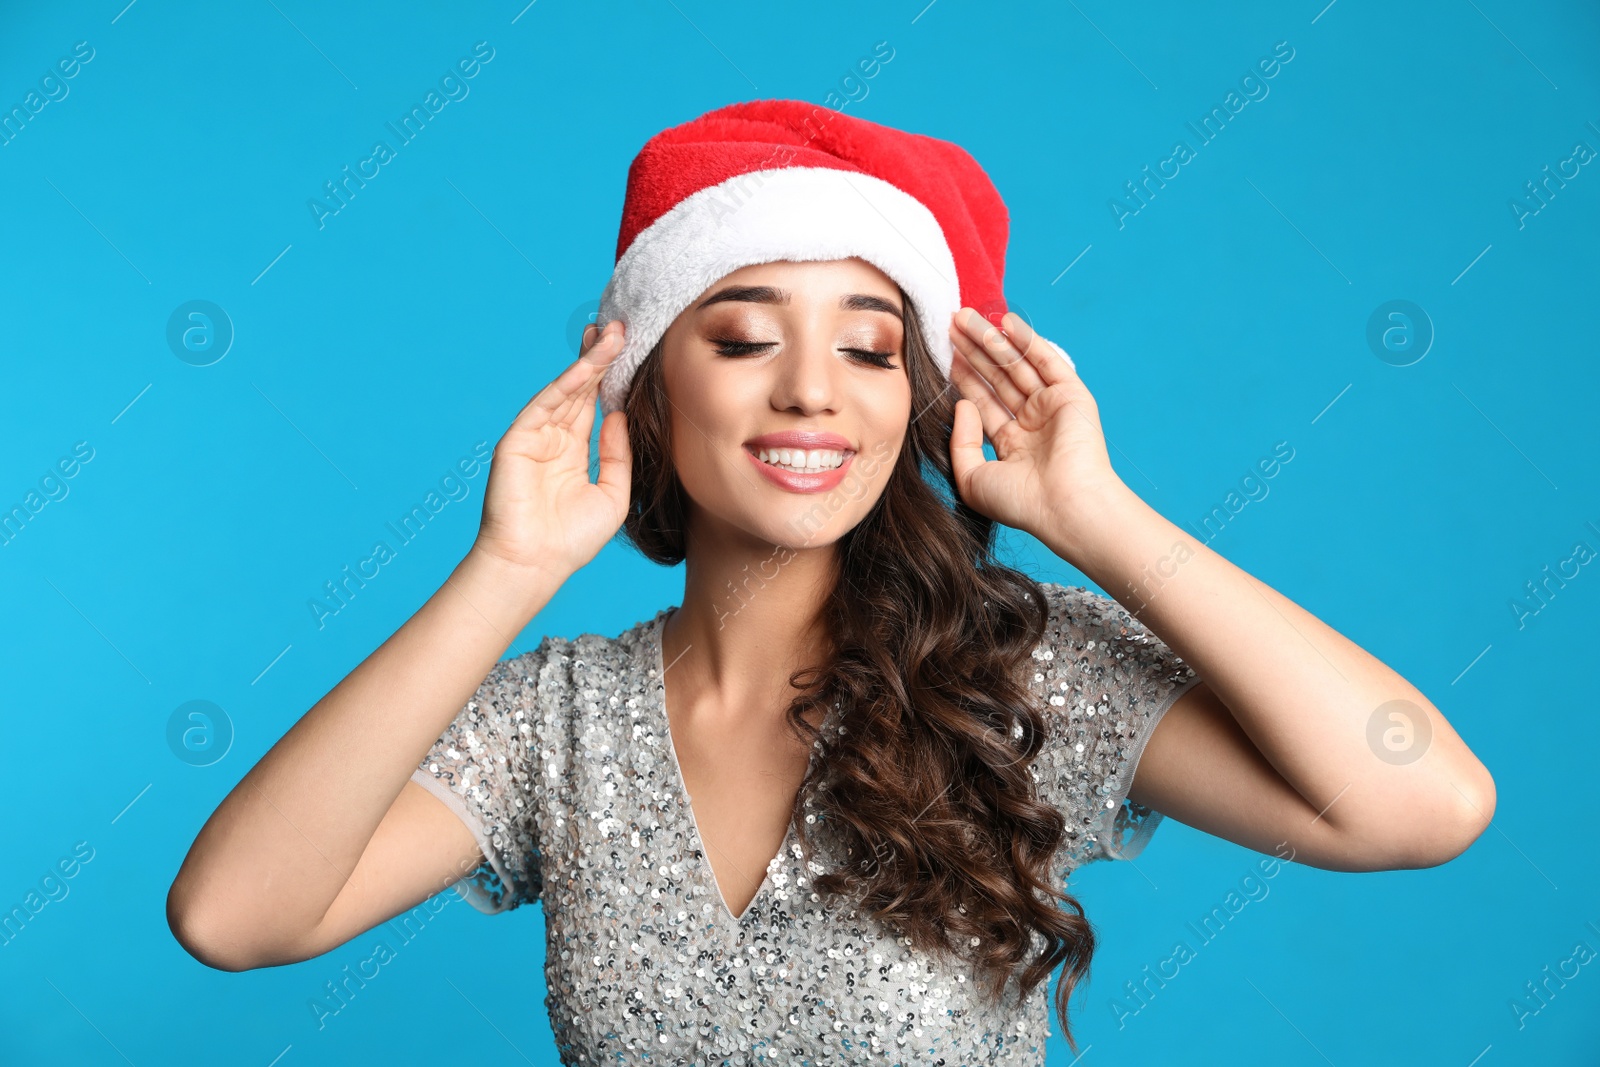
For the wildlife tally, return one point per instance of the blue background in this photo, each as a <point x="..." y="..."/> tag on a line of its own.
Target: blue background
<point x="1229" y="313"/>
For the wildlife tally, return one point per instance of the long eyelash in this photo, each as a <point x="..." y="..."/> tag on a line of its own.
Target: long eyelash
<point x="730" y="347"/>
<point x="739" y="348"/>
<point x="877" y="359"/>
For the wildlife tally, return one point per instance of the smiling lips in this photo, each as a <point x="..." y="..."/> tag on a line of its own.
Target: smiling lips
<point x="801" y="461"/>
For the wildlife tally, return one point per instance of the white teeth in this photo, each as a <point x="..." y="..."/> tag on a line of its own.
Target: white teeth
<point x="801" y="460"/>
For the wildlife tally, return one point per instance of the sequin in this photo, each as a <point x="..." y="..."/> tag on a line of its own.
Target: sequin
<point x="562" y="767"/>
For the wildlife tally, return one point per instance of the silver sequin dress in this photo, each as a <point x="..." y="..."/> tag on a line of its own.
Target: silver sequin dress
<point x="563" y="767"/>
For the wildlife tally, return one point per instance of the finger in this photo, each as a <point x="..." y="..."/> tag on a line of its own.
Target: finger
<point x="596" y="333"/>
<point x="976" y="390"/>
<point x="568" y="411"/>
<point x="1000" y="351"/>
<point x="997" y="380"/>
<point x="1044" y="355"/>
<point x="966" y="444"/>
<point x="606" y="346"/>
<point x="576" y="384"/>
<point x="582" y="418"/>
<point x="616" y="457"/>
<point x="553" y="403"/>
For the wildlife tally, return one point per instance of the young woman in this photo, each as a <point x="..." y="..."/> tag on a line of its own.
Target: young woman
<point x="897" y="748"/>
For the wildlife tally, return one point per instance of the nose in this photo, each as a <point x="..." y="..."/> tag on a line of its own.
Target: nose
<point x="804" y="381"/>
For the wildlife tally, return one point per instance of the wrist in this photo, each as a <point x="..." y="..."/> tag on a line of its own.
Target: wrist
<point x="1133" y="551"/>
<point x="1086" y="526"/>
<point x="517" y="563"/>
<point x="505" y="591"/>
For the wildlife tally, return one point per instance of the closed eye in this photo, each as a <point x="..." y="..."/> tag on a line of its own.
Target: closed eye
<point x="877" y="359"/>
<point x="740" y="348"/>
<point x="729" y="347"/>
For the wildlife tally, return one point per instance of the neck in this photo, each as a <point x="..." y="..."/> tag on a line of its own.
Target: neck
<point x="751" y="616"/>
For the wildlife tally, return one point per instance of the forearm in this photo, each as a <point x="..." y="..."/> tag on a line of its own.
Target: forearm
<point x="282" y="844"/>
<point x="1305" y="694"/>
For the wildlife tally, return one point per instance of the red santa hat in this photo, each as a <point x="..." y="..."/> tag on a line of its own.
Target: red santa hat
<point x="770" y="180"/>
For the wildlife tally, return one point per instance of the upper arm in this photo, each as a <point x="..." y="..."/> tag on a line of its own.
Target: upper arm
<point x="419" y="849"/>
<point x="1201" y="768"/>
<point x="1159" y="742"/>
<point x="465" y="818"/>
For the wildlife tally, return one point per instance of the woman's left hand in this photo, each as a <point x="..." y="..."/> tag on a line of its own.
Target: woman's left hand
<point x="1017" y="390"/>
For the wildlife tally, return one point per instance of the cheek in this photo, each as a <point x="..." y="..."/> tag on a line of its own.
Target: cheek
<point x="708" y="394"/>
<point x="889" y="426"/>
<point x="887" y="399"/>
<point x="694" y="412"/>
<point x="876" y="465"/>
<point x="711" y="415"/>
<point x="706" y="461"/>
<point x="692" y="457"/>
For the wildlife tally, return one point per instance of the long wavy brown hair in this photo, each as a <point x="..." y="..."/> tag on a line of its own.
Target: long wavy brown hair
<point x="927" y="788"/>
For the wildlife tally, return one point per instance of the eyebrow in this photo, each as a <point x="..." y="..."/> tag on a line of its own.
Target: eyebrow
<point x="767" y="294"/>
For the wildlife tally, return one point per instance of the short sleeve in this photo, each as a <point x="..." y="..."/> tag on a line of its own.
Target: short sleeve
<point x="1108" y="680"/>
<point x="483" y="768"/>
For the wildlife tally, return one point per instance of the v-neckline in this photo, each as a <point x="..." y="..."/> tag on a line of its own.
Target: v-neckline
<point x="658" y="655"/>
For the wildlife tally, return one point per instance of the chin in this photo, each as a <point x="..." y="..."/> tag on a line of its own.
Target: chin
<point x="794" y="521"/>
<point x="800" y="527"/>
<point x="795" y="525"/>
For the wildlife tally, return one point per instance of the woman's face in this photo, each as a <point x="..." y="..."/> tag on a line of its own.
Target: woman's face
<point x="767" y="355"/>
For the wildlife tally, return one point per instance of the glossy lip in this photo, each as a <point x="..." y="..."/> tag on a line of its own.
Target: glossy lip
<point x="806" y="439"/>
<point x="821" y="482"/>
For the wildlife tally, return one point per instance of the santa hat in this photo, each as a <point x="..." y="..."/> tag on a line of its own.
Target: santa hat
<point x="769" y="180"/>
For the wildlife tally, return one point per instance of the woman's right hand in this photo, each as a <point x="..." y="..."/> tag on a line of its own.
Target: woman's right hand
<point x="540" y="510"/>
